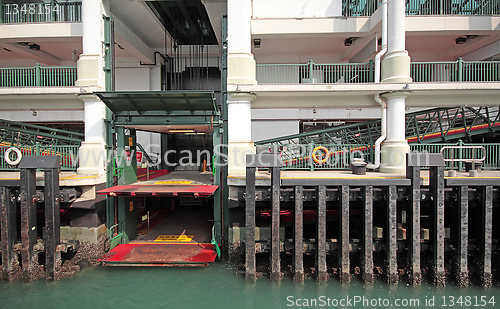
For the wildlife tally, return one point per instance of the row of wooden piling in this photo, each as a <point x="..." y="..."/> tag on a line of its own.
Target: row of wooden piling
<point x="411" y="185"/>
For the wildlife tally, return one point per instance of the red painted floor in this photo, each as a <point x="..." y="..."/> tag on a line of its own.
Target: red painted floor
<point x="160" y="254"/>
<point x="142" y="174"/>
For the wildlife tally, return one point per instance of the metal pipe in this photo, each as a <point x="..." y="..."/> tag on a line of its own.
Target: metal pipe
<point x="383" y="133"/>
<point x="384" y="42"/>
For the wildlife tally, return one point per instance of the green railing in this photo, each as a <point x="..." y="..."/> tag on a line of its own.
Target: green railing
<point x="38" y="76"/>
<point x="453" y="71"/>
<point x="299" y="156"/>
<point x="354" y="8"/>
<point x="40" y="12"/>
<point x="68" y="155"/>
<point x="312" y="73"/>
<point x="491" y="162"/>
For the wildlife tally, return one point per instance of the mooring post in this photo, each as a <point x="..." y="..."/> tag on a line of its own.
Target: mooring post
<point x="485" y="239"/>
<point x="345" y="275"/>
<point x="367" y="238"/>
<point x="52" y="222"/>
<point x="8" y="223"/>
<point x="298" y="257"/>
<point x="437" y="232"/>
<point x="321" y="269"/>
<point x="275" y="224"/>
<point x="391" y="235"/>
<point x="250" y="224"/>
<point x="461" y="236"/>
<point x="28" y="222"/>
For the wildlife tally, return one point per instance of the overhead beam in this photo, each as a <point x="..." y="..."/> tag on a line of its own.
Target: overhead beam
<point x="484" y="52"/>
<point x="358" y="46"/>
<point x="132" y="43"/>
<point x="458" y="50"/>
<point x="366" y="52"/>
<point x="38" y="55"/>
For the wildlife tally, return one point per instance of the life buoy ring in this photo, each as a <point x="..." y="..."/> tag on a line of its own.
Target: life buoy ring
<point x="325" y="158"/>
<point x="18" y="153"/>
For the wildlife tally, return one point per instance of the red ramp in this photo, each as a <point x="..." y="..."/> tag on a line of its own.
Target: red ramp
<point x="158" y="254"/>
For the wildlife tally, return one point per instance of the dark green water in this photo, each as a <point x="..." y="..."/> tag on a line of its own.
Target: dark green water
<point x="217" y="286"/>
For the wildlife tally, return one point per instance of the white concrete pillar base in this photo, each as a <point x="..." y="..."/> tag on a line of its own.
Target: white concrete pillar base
<point x="237" y="152"/>
<point x="92" y="158"/>
<point x="393" y="157"/>
<point x="88" y="71"/>
<point x="395" y="68"/>
<point x="241" y="69"/>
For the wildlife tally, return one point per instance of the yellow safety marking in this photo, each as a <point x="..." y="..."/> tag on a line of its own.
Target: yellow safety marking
<point x="174" y="182"/>
<point x="181" y="238"/>
<point x="78" y="177"/>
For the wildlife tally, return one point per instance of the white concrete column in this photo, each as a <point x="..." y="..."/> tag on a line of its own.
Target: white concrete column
<point x="240" y="61"/>
<point x="92" y="154"/>
<point x="240" y="131"/>
<point x="395" y="68"/>
<point x="396" y="63"/>
<point x="90" y="62"/>
<point x="395" y="147"/>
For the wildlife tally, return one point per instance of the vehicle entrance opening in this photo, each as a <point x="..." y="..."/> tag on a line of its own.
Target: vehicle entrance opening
<point x="169" y="213"/>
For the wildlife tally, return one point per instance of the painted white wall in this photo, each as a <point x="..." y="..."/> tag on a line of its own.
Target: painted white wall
<point x="155" y="79"/>
<point x="132" y="79"/>
<point x="264" y="129"/>
<point x="296" y="8"/>
<point x="44" y="116"/>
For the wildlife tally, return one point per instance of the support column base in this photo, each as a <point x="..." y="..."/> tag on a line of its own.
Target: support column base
<point x="92" y="158"/>
<point x="393" y="157"/>
<point x="241" y="69"/>
<point x="396" y="68"/>
<point x="88" y="70"/>
<point x="237" y="152"/>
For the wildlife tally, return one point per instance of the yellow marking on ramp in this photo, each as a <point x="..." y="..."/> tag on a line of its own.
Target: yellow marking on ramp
<point x="179" y="238"/>
<point x="174" y="182"/>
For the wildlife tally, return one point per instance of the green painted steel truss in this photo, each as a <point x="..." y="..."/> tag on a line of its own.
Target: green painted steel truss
<point x="23" y="134"/>
<point x="427" y="126"/>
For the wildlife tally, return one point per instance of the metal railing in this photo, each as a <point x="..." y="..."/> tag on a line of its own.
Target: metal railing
<point x="311" y="73"/>
<point x="40" y="12"/>
<point x="68" y="155"/>
<point x="299" y="156"/>
<point x="354" y="8"/>
<point x="462" y="152"/>
<point x="38" y="76"/>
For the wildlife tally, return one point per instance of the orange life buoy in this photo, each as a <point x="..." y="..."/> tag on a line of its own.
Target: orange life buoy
<point x="325" y="158"/>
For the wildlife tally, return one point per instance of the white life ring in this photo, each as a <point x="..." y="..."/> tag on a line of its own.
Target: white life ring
<point x="18" y="153"/>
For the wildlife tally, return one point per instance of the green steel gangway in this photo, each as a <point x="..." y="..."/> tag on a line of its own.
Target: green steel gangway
<point x="427" y="126"/>
<point x="24" y="134"/>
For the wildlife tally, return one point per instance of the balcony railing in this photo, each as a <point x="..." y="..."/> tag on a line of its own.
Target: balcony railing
<point x="38" y="77"/>
<point x="354" y="8"/>
<point x="350" y="73"/>
<point x="40" y="12"/>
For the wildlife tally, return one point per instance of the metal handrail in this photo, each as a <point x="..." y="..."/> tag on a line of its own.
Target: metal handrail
<point x="38" y="76"/>
<point x="348" y="73"/>
<point x="461" y="148"/>
<point x="355" y="8"/>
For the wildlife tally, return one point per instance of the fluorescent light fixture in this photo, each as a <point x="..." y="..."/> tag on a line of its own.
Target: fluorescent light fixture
<point x="181" y="131"/>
